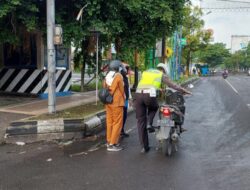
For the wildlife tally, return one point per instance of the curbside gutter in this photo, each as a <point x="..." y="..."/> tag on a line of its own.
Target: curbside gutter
<point x="44" y="130"/>
<point x="56" y="129"/>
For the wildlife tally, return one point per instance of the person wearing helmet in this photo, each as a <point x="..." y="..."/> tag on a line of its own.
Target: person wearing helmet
<point x="114" y="111"/>
<point x="146" y="100"/>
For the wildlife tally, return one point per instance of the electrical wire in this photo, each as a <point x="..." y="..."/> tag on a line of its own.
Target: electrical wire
<point x="228" y="5"/>
<point x="235" y="1"/>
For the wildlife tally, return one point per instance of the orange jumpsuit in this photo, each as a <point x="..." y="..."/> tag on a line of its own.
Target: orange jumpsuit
<point x="114" y="111"/>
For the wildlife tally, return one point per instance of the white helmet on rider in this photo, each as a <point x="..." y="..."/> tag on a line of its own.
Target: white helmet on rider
<point x="163" y="67"/>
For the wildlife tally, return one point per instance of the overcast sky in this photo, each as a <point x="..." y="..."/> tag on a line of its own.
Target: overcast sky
<point x="226" y="22"/>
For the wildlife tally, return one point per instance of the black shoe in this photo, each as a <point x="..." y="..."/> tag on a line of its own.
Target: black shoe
<point x="124" y="135"/>
<point x="183" y="129"/>
<point x="145" y="150"/>
<point x="151" y="129"/>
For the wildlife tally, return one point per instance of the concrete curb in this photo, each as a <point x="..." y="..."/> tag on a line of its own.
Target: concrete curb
<point x="56" y="129"/>
<point x="189" y="81"/>
<point x="45" y="126"/>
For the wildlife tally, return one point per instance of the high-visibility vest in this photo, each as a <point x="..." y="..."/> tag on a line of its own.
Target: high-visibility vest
<point x="151" y="79"/>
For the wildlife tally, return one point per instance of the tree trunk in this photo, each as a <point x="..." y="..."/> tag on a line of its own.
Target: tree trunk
<point x="136" y="70"/>
<point x="188" y="63"/>
<point x="118" y="47"/>
<point x="84" y="59"/>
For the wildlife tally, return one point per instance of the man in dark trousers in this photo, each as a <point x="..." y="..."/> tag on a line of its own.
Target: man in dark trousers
<point x="146" y="100"/>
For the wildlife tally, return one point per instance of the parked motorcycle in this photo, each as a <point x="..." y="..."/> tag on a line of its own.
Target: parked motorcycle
<point x="171" y="118"/>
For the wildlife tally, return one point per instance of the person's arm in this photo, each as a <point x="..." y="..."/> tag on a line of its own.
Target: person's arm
<point x="171" y="84"/>
<point x="104" y="84"/>
<point x="126" y="86"/>
<point x="121" y="86"/>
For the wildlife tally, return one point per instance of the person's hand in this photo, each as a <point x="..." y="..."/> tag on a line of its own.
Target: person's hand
<point x="126" y="104"/>
<point x="130" y="103"/>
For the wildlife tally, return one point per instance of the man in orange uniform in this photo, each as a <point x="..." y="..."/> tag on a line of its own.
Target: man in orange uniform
<point x="114" y="111"/>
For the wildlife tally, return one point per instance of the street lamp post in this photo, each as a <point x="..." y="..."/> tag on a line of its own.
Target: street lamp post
<point x="96" y="33"/>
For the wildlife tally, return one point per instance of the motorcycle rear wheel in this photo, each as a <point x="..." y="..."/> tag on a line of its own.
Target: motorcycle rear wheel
<point x="167" y="147"/>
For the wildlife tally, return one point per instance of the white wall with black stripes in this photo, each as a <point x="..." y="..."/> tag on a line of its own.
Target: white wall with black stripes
<point x="32" y="81"/>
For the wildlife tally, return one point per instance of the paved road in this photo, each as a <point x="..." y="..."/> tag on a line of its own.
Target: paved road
<point x="5" y="120"/>
<point x="76" y="78"/>
<point x="214" y="153"/>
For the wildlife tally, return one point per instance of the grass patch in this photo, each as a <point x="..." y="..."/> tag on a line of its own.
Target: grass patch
<point x="89" y="87"/>
<point x="77" y="112"/>
<point x="75" y="88"/>
<point x="185" y="78"/>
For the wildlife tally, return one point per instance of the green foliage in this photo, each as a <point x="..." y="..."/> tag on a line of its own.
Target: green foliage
<point x="130" y="24"/>
<point x="149" y="20"/>
<point x="239" y="60"/>
<point x="16" y="15"/>
<point x="89" y="87"/>
<point x="213" y="54"/>
<point x="193" y="30"/>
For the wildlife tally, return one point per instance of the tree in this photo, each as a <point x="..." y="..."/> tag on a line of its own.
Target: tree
<point x="16" y="15"/>
<point x="130" y="24"/>
<point x="193" y="30"/>
<point x="239" y="60"/>
<point x="213" y="54"/>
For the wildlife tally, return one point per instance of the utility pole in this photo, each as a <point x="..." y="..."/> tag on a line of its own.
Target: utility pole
<point x="51" y="56"/>
<point x="136" y="69"/>
<point x="97" y="75"/>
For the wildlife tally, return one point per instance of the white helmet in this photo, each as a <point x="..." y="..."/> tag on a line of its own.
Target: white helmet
<point x="163" y="67"/>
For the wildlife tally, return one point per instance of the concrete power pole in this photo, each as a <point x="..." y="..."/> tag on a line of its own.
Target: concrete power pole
<point x="51" y="56"/>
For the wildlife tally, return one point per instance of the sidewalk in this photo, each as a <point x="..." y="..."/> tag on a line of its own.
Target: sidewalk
<point x="26" y="107"/>
<point x="38" y="106"/>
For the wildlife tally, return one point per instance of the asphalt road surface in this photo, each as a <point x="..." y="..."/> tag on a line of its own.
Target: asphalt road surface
<point x="5" y="120"/>
<point x="76" y="78"/>
<point x="214" y="153"/>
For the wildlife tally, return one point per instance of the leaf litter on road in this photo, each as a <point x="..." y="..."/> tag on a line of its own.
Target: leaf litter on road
<point x="78" y="154"/>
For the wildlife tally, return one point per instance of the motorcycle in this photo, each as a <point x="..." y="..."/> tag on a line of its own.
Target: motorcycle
<point x="224" y="75"/>
<point x="171" y="119"/>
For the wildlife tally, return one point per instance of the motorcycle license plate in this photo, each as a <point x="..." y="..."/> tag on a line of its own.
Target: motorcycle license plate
<point x="165" y="122"/>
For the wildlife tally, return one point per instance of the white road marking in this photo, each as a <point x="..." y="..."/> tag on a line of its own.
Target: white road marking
<point x="231" y="86"/>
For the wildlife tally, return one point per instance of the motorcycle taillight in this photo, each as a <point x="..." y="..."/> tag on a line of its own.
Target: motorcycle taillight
<point x="166" y="112"/>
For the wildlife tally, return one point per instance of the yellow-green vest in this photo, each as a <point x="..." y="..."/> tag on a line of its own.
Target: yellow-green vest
<point x="150" y="79"/>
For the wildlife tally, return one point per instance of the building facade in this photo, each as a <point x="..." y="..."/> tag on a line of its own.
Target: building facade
<point x="23" y="67"/>
<point x="239" y="42"/>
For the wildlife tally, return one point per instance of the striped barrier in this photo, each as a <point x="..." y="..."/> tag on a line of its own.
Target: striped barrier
<point x="32" y="81"/>
<point x="45" y="126"/>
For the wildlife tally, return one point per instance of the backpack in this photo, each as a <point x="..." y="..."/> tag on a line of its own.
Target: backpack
<point x="104" y="96"/>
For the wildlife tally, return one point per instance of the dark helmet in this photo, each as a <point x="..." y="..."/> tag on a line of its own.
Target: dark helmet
<point x="115" y="65"/>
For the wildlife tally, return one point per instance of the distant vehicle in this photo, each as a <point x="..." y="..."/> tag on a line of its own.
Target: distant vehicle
<point x="248" y="72"/>
<point x="204" y="70"/>
<point x="225" y="74"/>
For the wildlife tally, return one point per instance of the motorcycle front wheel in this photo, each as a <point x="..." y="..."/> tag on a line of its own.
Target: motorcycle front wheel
<point x="167" y="147"/>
